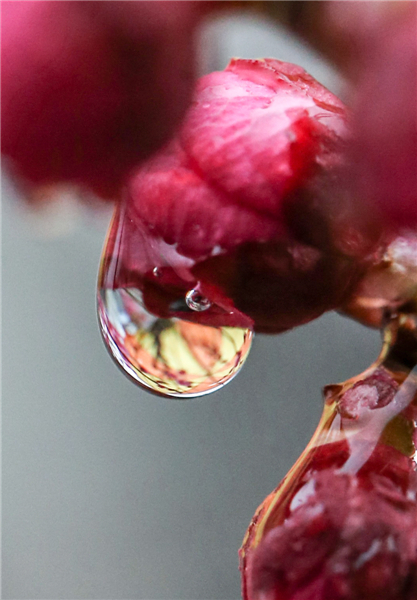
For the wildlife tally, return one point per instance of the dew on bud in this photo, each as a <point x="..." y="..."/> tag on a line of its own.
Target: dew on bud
<point x="196" y="301"/>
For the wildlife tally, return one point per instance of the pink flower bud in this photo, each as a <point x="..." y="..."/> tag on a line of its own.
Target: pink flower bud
<point x="89" y="89"/>
<point x="342" y="523"/>
<point x="351" y="539"/>
<point x="382" y="37"/>
<point x="232" y="193"/>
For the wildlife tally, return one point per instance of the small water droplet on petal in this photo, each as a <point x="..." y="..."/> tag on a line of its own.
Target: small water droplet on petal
<point x="196" y="301"/>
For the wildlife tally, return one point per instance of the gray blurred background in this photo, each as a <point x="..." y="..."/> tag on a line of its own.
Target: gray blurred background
<point x="108" y="492"/>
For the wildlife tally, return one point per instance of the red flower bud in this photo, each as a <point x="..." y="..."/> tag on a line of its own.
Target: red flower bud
<point x="257" y="143"/>
<point x="382" y="37"/>
<point x="89" y="89"/>
<point x="342" y="525"/>
<point x="351" y="539"/>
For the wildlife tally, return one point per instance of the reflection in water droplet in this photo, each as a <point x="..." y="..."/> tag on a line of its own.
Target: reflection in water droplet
<point x="196" y="301"/>
<point x="169" y="356"/>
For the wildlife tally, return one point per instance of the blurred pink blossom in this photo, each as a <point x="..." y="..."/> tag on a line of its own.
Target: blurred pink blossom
<point x="90" y="89"/>
<point x="382" y="38"/>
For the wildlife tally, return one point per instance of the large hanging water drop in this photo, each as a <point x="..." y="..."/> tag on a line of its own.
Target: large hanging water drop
<point x="150" y="311"/>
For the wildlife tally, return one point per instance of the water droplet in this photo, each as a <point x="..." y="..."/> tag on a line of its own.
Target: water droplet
<point x="196" y="301"/>
<point x="170" y="356"/>
<point x="156" y="272"/>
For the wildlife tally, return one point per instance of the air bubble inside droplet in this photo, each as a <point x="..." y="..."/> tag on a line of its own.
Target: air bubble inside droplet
<point x="196" y="301"/>
<point x="171" y="357"/>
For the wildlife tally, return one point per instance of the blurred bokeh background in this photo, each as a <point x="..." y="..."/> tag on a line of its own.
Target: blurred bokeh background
<point x="109" y="492"/>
